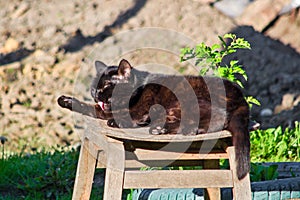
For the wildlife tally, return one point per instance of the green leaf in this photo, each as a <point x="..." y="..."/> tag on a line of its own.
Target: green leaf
<point x="186" y="54"/>
<point x="241" y="43"/>
<point x="239" y="83"/>
<point x="233" y="62"/>
<point x="252" y="100"/>
<point x="222" y="72"/>
<point x="203" y="71"/>
<point x="229" y="36"/>
<point x="210" y="58"/>
<point x="271" y="172"/>
<point x="222" y="41"/>
<point x="215" y="46"/>
<point x="230" y="51"/>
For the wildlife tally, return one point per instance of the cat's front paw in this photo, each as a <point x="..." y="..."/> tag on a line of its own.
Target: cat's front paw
<point x="68" y="102"/>
<point x="157" y="130"/>
<point x="120" y="123"/>
<point x="112" y="123"/>
<point x="193" y="131"/>
<point x="65" y="102"/>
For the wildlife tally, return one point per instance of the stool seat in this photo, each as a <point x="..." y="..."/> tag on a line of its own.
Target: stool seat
<point x="142" y="134"/>
<point x="124" y="151"/>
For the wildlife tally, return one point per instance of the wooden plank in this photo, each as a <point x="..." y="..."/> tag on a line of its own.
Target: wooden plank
<point x="161" y="163"/>
<point x="145" y="154"/>
<point x="85" y="172"/>
<point x="241" y="188"/>
<point x="191" y="146"/>
<point x="178" y="179"/>
<point x="136" y="134"/>
<point x="102" y="160"/>
<point x="114" y="175"/>
<point x="212" y="193"/>
<point x="142" y="134"/>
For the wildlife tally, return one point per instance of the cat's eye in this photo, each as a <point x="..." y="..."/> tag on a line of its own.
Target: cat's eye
<point x="116" y="79"/>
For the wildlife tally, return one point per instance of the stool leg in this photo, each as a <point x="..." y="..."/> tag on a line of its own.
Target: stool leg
<point x="241" y="188"/>
<point x="212" y="193"/>
<point x="85" y="172"/>
<point x="114" y="176"/>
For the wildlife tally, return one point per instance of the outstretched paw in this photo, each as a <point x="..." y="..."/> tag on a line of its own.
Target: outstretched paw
<point x="65" y="102"/>
<point x="157" y="130"/>
<point x="68" y="102"/>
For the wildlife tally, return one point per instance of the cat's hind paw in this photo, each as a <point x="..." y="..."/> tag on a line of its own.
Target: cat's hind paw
<point x="157" y="130"/>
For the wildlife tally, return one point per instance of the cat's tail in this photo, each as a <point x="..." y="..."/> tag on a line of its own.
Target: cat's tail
<point x="238" y="126"/>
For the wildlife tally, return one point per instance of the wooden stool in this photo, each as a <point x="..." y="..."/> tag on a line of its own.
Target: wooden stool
<point x="123" y="154"/>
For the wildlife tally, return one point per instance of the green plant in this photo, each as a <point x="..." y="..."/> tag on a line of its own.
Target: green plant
<point x="27" y="103"/>
<point x="130" y="194"/>
<point x="260" y="172"/>
<point x="210" y="60"/>
<point x="276" y="144"/>
<point x="41" y="175"/>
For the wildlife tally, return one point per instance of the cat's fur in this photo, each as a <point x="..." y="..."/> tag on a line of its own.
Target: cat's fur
<point x="127" y="98"/>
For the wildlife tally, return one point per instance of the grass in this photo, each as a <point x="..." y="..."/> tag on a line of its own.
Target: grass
<point x="50" y="174"/>
<point x="46" y="174"/>
<point x="276" y="144"/>
<point x="273" y="145"/>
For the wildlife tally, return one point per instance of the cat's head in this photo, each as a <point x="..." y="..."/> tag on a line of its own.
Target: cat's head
<point x="106" y="79"/>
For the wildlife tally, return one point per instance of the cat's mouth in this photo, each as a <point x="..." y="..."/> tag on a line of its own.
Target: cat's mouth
<point x="104" y="106"/>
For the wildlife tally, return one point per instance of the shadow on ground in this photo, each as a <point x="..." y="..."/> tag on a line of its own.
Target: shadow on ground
<point x="78" y="41"/>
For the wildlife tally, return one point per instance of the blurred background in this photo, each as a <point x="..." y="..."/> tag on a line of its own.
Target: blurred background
<point x="43" y="45"/>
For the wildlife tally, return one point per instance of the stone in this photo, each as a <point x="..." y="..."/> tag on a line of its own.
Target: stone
<point x="297" y="101"/>
<point x="36" y="104"/>
<point x="260" y="13"/>
<point x="10" y="45"/>
<point x="275" y="89"/>
<point x="21" y="10"/>
<point x="287" y="101"/>
<point x="289" y="7"/>
<point x="266" y="112"/>
<point x="231" y="8"/>
<point x="49" y="32"/>
<point x="11" y="66"/>
<point x="43" y="57"/>
<point x="27" y="69"/>
<point x="18" y="109"/>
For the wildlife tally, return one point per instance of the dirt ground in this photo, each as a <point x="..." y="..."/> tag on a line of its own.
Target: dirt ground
<point x="45" y="46"/>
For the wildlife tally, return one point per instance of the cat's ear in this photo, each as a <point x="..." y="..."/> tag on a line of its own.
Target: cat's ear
<point x="100" y="66"/>
<point x="124" y="68"/>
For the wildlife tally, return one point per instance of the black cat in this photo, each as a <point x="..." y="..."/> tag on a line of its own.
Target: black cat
<point x="128" y="98"/>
